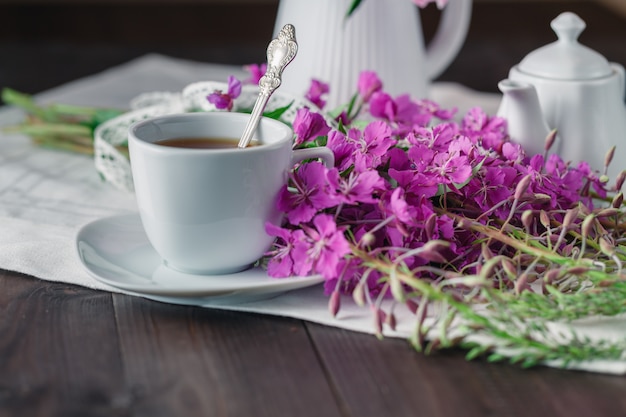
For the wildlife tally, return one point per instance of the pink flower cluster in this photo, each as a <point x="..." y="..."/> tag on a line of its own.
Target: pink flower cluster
<point x="399" y="181"/>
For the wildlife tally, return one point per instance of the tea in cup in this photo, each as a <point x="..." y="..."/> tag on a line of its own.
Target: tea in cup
<point x="203" y="201"/>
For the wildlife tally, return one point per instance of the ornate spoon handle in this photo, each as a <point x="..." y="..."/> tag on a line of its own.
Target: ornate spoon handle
<point x="280" y="52"/>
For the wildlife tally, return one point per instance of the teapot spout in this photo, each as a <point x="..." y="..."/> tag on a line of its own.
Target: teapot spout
<point x="522" y="111"/>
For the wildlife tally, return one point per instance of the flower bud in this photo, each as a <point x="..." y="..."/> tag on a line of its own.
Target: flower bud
<point x="486" y="252"/>
<point x="567" y="249"/>
<point x="397" y="289"/>
<point x="430" y="251"/>
<point x="587" y="226"/>
<point x="570" y="215"/>
<point x="509" y="268"/>
<point x="334" y="303"/>
<point x="609" y="156"/>
<point x="584" y="210"/>
<point x="541" y="197"/>
<point x="603" y="179"/>
<point x="379" y="317"/>
<point x="522" y="186"/>
<point x="544" y="219"/>
<point x="429" y="225"/>
<point x="606" y="246"/>
<point x="367" y="239"/>
<point x="391" y="321"/>
<point x="527" y="219"/>
<point x="617" y="200"/>
<point x="464" y="224"/>
<point x="550" y="140"/>
<point x="358" y="294"/>
<point x="607" y="212"/>
<point x="552" y="275"/>
<point x="619" y="181"/>
<point x="411" y="305"/>
<point x="521" y="283"/>
<point x="488" y="268"/>
<point x="578" y="270"/>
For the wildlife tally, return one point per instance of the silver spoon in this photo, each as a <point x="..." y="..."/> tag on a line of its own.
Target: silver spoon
<point x="280" y="52"/>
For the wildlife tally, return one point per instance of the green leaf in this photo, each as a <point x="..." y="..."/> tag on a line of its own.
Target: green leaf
<point x="476" y="351"/>
<point x="278" y="112"/>
<point x="353" y="6"/>
<point x="495" y="357"/>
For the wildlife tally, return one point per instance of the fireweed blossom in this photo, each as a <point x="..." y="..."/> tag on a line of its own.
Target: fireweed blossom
<point x="356" y="187"/>
<point x="368" y="84"/>
<point x="321" y="249"/>
<point x="372" y="146"/>
<point x="311" y="192"/>
<point x="402" y="175"/>
<point x="308" y="125"/>
<point x="256" y="72"/>
<point x="317" y="91"/>
<point x="225" y="101"/>
<point x="281" y="262"/>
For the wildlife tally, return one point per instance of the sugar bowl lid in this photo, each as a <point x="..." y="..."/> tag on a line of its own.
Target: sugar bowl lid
<point x="566" y="58"/>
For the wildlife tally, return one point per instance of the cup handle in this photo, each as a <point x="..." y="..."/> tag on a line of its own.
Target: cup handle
<point x="326" y="155"/>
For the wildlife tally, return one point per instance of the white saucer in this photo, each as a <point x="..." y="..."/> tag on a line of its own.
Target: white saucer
<point x="116" y="251"/>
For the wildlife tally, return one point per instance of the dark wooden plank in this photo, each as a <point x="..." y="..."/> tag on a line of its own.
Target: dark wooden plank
<point x="59" y="352"/>
<point x="376" y="378"/>
<point x="388" y="377"/>
<point x="184" y="361"/>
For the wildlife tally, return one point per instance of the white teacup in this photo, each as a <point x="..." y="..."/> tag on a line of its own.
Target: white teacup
<point x="204" y="210"/>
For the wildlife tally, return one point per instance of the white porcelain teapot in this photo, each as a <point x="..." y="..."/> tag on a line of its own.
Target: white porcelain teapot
<point x="580" y="94"/>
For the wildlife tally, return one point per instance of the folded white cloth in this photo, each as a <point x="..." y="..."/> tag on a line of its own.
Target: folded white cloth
<point x="46" y="196"/>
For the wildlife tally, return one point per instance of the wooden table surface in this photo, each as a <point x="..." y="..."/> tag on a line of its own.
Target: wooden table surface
<point x="70" y="351"/>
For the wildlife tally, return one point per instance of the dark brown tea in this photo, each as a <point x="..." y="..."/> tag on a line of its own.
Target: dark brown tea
<point x="202" y="143"/>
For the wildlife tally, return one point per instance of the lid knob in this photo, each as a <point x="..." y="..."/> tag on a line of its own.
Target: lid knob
<point x="568" y="27"/>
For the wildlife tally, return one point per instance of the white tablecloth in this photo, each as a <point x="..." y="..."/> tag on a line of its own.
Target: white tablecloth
<point x="46" y="196"/>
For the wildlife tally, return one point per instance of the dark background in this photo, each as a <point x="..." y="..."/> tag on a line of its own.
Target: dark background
<point x="74" y="39"/>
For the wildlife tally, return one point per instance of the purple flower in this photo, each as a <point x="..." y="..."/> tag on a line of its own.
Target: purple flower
<point x="434" y="110"/>
<point x="356" y="187"/>
<point x="398" y="206"/>
<point x="312" y="193"/>
<point x="256" y="72"/>
<point x="368" y="84"/>
<point x="438" y="137"/>
<point x="373" y="145"/>
<point x="281" y="262"/>
<point x="407" y="169"/>
<point x="388" y="192"/>
<point x="308" y="125"/>
<point x="493" y="184"/>
<point x="490" y="131"/>
<point x="451" y="168"/>
<point x="343" y="148"/>
<point x="317" y="89"/>
<point x="321" y="249"/>
<point x="226" y="100"/>
<point x="382" y="106"/>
